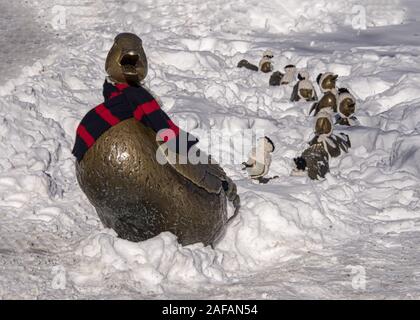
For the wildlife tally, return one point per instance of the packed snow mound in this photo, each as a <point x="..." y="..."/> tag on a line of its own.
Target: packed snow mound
<point x="406" y="155"/>
<point x="20" y="34"/>
<point x="320" y="16"/>
<point x="147" y="264"/>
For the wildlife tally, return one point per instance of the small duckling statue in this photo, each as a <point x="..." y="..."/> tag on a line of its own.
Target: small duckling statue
<point x="259" y="160"/>
<point x="275" y="78"/>
<point x="327" y="102"/>
<point x="266" y="63"/>
<point x="346" y="108"/>
<point x="333" y="143"/>
<point x="315" y="159"/>
<point x="304" y="89"/>
<point x="327" y="82"/>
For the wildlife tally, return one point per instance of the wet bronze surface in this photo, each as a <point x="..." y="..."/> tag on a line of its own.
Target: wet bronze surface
<point x="275" y="78"/>
<point x="329" y="82"/>
<point x="266" y="67"/>
<point x="343" y="121"/>
<point x="247" y="65"/>
<point x="334" y="145"/>
<point x="347" y="107"/>
<point x="323" y="126"/>
<point x="316" y="161"/>
<point x="306" y="94"/>
<point x="139" y="198"/>
<point x="329" y="100"/>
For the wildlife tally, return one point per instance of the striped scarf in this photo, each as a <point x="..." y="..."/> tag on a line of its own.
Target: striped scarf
<point x="123" y="102"/>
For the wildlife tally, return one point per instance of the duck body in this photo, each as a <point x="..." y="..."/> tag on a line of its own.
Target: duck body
<point x="140" y="198"/>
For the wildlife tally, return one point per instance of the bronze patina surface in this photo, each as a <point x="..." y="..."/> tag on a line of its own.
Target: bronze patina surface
<point x="266" y="67"/>
<point x="347" y="107"/>
<point x="323" y="125"/>
<point x="329" y="100"/>
<point x="140" y="198"/>
<point x="316" y="161"/>
<point x="329" y="82"/>
<point x="306" y="94"/>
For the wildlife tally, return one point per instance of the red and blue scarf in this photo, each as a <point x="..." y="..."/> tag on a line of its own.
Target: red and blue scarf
<point x="122" y="102"/>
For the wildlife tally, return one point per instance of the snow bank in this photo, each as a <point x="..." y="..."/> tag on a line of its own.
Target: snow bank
<point x="278" y="16"/>
<point x="146" y="265"/>
<point x="406" y="155"/>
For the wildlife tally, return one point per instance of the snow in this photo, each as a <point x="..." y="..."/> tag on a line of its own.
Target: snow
<point x="293" y="238"/>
